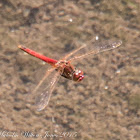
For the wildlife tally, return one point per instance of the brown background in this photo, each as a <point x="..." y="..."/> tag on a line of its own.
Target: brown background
<point x="106" y="104"/>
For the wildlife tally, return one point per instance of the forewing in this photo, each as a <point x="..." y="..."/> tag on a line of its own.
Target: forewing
<point x="92" y="49"/>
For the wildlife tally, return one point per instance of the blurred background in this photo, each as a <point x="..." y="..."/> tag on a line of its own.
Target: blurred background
<point x="106" y="104"/>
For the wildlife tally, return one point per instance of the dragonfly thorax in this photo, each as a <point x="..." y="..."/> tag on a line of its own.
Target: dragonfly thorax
<point x="68" y="71"/>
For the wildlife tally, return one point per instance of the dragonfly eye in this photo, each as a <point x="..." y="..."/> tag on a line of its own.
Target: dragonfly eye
<point x="80" y="78"/>
<point x="78" y="75"/>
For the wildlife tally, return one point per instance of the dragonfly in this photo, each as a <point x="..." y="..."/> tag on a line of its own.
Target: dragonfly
<point x="64" y="68"/>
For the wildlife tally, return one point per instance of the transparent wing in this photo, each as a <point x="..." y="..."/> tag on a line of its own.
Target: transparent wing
<point x="93" y="49"/>
<point x="44" y="89"/>
<point x="73" y="52"/>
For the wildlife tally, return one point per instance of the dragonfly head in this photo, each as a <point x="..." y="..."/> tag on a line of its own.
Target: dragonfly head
<point x="78" y="75"/>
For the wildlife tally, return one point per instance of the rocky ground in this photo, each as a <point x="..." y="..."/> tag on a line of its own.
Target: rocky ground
<point x="105" y="105"/>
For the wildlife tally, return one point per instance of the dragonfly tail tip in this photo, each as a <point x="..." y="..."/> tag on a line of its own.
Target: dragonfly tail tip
<point x="21" y="47"/>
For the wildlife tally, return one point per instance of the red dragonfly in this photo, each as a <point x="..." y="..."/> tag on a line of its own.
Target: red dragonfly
<point x="64" y="68"/>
